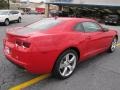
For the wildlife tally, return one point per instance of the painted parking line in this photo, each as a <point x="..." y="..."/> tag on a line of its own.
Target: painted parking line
<point x="30" y="82"/>
<point x="118" y="44"/>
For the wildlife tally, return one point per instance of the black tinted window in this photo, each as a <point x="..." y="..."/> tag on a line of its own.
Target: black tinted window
<point x="14" y="12"/>
<point x="91" y="27"/>
<point x="79" y="27"/>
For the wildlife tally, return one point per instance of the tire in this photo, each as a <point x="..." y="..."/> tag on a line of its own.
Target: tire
<point x="113" y="45"/>
<point x="7" y="22"/>
<point x="65" y="64"/>
<point x="19" y="20"/>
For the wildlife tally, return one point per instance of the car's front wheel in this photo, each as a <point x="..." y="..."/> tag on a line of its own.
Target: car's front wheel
<point x="19" y="20"/>
<point x="6" y="22"/>
<point x="113" y="45"/>
<point x="65" y="64"/>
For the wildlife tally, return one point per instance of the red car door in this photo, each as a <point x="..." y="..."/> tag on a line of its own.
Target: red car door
<point x="95" y="39"/>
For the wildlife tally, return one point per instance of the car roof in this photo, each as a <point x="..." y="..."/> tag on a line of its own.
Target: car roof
<point x="67" y="23"/>
<point x="8" y="10"/>
<point x="4" y="10"/>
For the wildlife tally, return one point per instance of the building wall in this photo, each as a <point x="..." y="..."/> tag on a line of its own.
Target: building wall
<point x="99" y="2"/>
<point x="32" y="6"/>
<point x="14" y="5"/>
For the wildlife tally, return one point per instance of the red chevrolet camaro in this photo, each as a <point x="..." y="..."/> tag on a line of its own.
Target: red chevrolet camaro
<point x="57" y="45"/>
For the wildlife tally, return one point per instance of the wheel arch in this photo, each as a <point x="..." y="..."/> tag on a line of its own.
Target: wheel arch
<point x="73" y="48"/>
<point x="116" y="36"/>
<point x="77" y="50"/>
<point x="20" y="17"/>
<point x="6" y="18"/>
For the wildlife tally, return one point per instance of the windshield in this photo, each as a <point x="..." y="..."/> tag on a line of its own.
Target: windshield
<point x="3" y="12"/>
<point x="44" y="24"/>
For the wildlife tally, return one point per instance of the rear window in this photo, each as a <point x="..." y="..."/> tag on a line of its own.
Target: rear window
<point x="44" y="24"/>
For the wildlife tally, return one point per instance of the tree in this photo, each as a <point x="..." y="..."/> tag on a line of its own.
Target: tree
<point x="4" y="4"/>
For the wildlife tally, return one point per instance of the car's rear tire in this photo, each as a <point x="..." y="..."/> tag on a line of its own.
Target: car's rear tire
<point x="7" y="22"/>
<point x="65" y="64"/>
<point x="113" y="45"/>
<point x="19" y="20"/>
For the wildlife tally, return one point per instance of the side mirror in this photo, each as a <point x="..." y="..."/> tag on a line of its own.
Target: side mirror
<point x="105" y="29"/>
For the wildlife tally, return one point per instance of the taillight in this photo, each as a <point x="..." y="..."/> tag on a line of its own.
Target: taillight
<point x="18" y="42"/>
<point x="22" y="43"/>
<point x="26" y="44"/>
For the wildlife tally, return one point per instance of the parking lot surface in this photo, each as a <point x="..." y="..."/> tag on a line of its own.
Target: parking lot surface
<point x="99" y="73"/>
<point x="10" y="75"/>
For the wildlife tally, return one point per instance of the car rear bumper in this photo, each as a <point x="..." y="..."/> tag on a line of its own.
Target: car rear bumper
<point x="34" y="62"/>
<point x="16" y="59"/>
<point x="16" y="62"/>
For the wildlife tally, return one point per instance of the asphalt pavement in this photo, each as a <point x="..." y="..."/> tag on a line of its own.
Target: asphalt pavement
<point x="101" y="72"/>
<point x="11" y="75"/>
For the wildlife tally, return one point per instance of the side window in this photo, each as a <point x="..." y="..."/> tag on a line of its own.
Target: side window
<point x="79" y="27"/>
<point x="14" y="12"/>
<point x="91" y="27"/>
<point x="11" y="12"/>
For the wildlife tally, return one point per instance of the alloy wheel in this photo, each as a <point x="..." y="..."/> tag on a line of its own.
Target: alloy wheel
<point x="67" y="64"/>
<point x="114" y="44"/>
<point x="19" y="20"/>
<point x="6" y="22"/>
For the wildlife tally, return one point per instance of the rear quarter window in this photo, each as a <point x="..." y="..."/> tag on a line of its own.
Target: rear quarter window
<point x="79" y="27"/>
